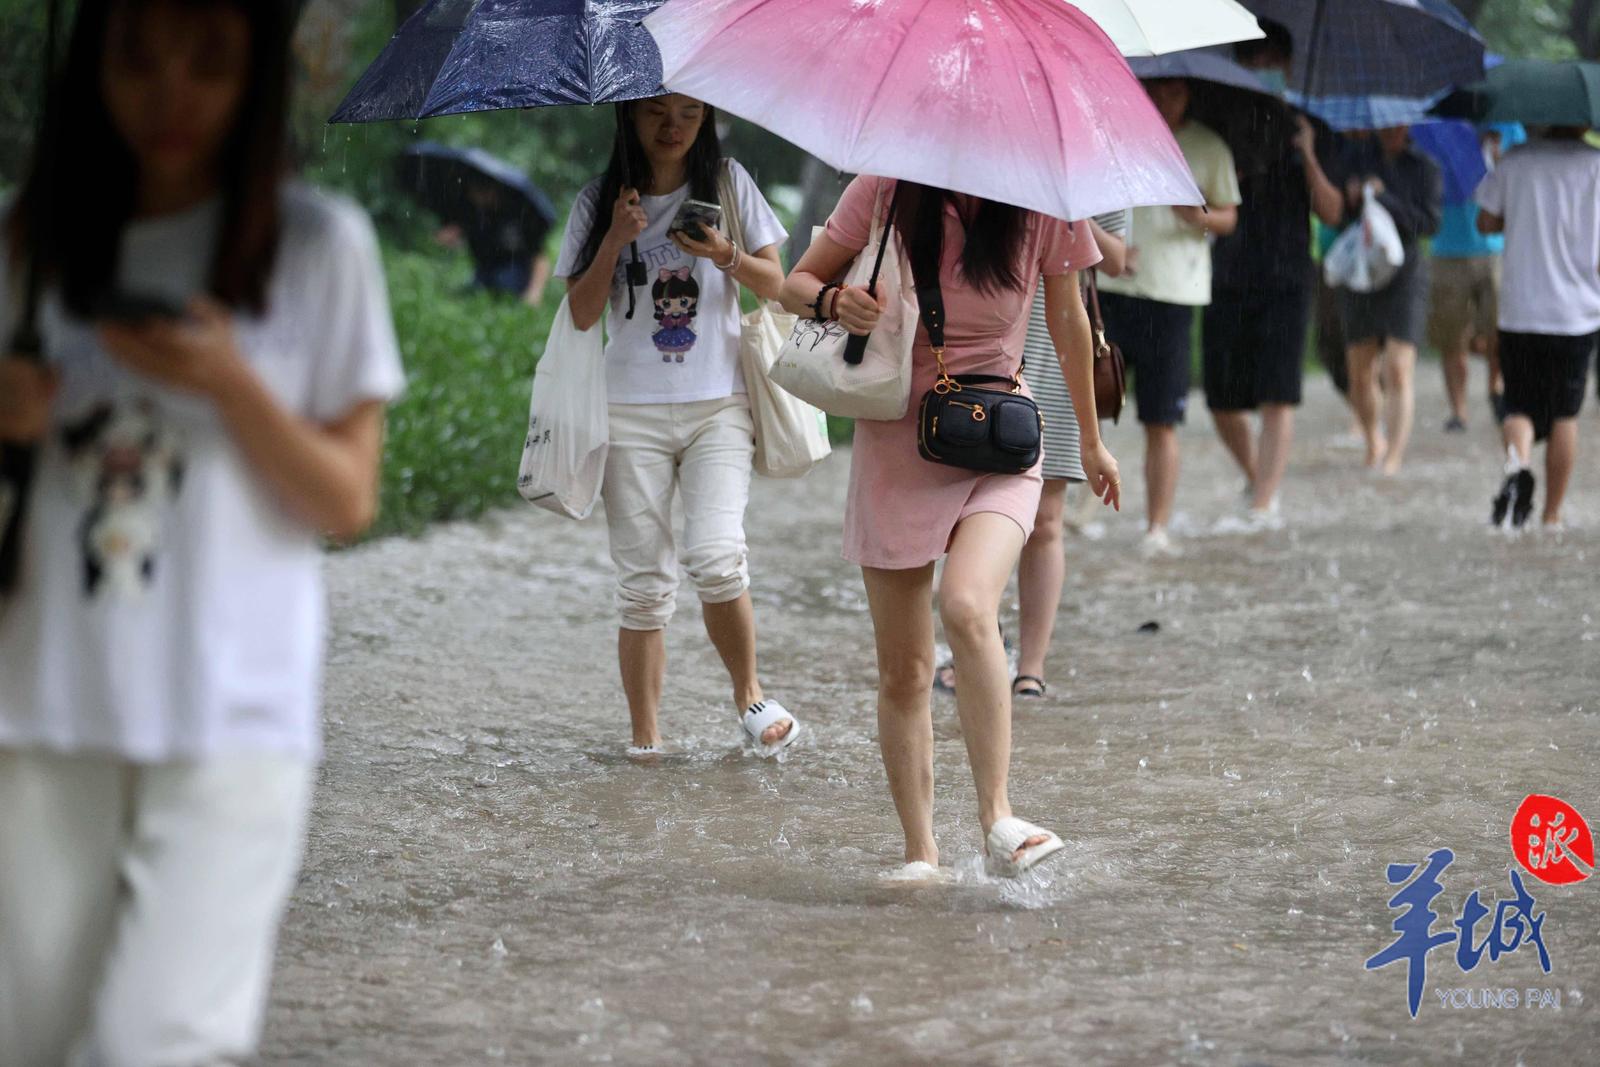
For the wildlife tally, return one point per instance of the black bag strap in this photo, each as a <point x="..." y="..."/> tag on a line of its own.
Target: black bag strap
<point x="1097" y="321"/>
<point x="930" y="298"/>
<point x="883" y="241"/>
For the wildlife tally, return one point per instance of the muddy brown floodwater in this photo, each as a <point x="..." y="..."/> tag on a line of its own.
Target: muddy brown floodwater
<point x="489" y="879"/>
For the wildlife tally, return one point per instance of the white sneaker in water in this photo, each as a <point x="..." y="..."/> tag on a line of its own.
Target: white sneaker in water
<point x="1158" y="544"/>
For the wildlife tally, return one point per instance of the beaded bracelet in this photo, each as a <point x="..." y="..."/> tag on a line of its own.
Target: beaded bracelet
<point x="822" y="296"/>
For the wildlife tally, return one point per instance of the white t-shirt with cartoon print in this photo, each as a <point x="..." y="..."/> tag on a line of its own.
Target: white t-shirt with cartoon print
<point x="169" y="608"/>
<point x="682" y="344"/>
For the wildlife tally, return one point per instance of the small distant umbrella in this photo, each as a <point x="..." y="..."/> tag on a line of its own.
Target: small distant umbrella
<point x="456" y="56"/>
<point x="1533" y="92"/>
<point x="1229" y="99"/>
<point x="442" y="179"/>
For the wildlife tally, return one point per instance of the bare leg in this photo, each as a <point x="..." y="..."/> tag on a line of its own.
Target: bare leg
<point x="1363" y="361"/>
<point x="1400" y="400"/>
<point x="732" y="629"/>
<point x="1455" y="381"/>
<point x="1039" y="579"/>
<point x="1233" y="427"/>
<point x="1277" y="438"/>
<point x="1517" y="432"/>
<point x="642" y="655"/>
<point x="985" y="549"/>
<point x="1160" y="473"/>
<point x="902" y="622"/>
<point x="1560" y="455"/>
<point x="1491" y="350"/>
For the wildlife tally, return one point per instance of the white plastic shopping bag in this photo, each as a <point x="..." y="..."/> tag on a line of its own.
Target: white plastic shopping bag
<point x="564" y="456"/>
<point x="1368" y="255"/>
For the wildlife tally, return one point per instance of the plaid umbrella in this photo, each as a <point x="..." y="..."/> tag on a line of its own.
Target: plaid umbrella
<point x="1397" y="48"/>
<point x="1345" y="113"/>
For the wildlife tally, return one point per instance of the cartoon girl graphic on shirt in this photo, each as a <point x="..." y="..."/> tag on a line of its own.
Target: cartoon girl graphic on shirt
<point x="675" y="295"/>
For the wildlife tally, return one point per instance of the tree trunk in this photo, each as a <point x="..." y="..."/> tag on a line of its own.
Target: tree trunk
<point x="1581" y="27"/>
<point x="820" y="187"/>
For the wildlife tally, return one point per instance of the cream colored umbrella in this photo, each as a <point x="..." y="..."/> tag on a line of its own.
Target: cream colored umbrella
<point x="1156" y="27"/>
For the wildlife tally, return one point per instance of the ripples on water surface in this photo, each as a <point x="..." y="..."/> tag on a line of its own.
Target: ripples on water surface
<point x="490" y="879"/>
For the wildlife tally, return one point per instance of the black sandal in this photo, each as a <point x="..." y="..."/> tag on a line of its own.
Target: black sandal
<point x="1034" y="690"/>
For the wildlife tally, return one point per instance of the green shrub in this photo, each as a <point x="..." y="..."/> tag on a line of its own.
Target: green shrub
<point x="456" y="436"/>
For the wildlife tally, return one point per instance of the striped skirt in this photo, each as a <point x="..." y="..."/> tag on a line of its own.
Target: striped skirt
<point x="1049" y="388"/>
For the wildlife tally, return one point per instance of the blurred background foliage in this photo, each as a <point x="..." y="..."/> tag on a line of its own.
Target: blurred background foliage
<point x="455" y="438"/>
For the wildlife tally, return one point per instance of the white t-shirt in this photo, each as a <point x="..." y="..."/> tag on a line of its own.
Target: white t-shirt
<point x="169" y="608"/>
<point x="1548" y="193"/>
<point x="682" y="344"/>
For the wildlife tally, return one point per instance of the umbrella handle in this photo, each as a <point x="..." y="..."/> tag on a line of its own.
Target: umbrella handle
<point x="635" y="275"/>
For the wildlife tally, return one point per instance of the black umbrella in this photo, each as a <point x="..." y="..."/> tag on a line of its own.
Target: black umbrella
<point x="1228" y="98"/>
<point x="504" y="217"/>
<point x="17" y="462"/>
<point x="1412" y="48"/>
<point x="463" y="185"/>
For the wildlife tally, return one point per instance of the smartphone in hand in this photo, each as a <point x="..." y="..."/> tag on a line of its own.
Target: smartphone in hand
<point x="694" y="218"/>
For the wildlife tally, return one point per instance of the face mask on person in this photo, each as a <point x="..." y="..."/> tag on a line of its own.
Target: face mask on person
<point x="1275" y="81"/>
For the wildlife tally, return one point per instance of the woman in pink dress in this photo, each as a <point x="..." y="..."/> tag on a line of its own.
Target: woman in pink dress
<point x="905" y="512"/>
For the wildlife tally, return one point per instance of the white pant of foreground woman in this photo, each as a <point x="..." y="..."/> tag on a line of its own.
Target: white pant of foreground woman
<point x="139" y="905"/>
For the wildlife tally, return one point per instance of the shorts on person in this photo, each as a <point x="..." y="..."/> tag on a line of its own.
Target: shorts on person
<point x="1397" y="312"/>
<point x="1253" y="346"/>
<point x="1156" y="339"/>
<point x="1545" y="375"/>
<point x="1465" y="302"/>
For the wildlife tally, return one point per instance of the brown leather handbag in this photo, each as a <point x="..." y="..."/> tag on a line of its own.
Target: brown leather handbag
<point x="1110" y="372"/>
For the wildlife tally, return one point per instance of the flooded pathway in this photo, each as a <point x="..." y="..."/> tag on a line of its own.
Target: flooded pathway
<point x="490" y="880"/>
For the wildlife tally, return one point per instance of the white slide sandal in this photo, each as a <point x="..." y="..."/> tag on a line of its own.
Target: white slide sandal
<point x="760" y="717"/>
<point x="1007" y="835"/>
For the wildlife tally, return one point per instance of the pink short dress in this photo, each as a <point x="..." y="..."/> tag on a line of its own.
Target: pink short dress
<point x="902" y="509"/>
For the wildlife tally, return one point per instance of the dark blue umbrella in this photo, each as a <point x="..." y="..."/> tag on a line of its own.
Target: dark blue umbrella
<point x="455" y="56"/>
<point x="1404" y="48"/>
<point x="1229" y="99"/>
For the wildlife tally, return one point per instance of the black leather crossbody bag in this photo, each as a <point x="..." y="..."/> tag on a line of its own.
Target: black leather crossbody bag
<point x="979" y="422"/>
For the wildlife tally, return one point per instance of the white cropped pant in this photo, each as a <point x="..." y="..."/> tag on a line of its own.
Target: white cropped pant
<point x="139" y="905"/>
<point x="705" y="450"/>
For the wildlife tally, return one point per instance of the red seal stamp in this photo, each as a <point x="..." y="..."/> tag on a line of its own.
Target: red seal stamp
<point x="1551" y="840"/>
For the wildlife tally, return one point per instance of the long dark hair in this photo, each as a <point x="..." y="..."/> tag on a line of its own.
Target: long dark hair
<point x="80" y="191"/>
<point x="630" y="166"/>
<point x="995" y="235"/>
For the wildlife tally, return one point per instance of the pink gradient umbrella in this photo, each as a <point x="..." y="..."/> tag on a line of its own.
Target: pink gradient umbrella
<point x="1026" y="102"/>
